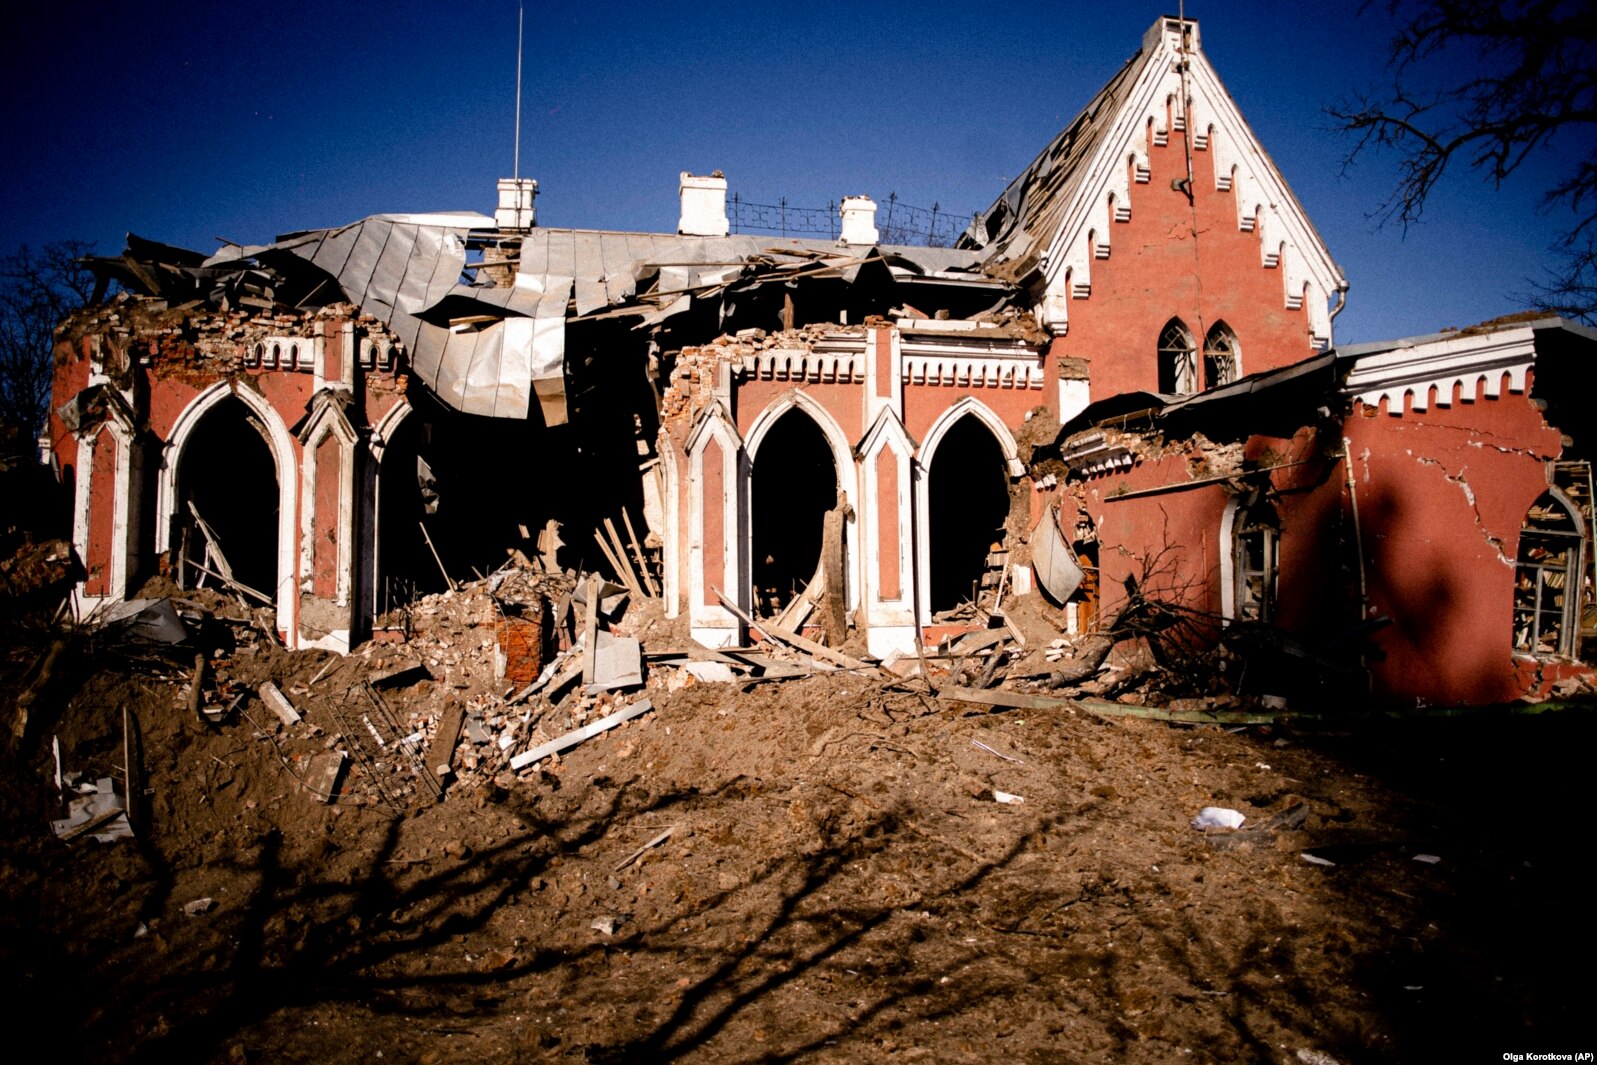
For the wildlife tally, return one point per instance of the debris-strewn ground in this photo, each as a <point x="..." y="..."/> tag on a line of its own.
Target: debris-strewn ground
<point x="839" y="884"/>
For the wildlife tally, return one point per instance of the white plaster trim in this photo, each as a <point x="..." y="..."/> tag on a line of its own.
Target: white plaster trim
<point x="1074" y="397"/>
<point x="124" y="525"/>
<point x="715" y="626"/>
<point x="922" y="472"/>
<point x="377" y="443"/>
<point x="971" y="363"/>
<point x="827" y="360"/>
<point x="329" y="420"/>
<point x="671" y="529"/>
<point x="1228" y="558"/>
<point x="387" y="426"/>
<point x="897" y="614"/>
<point x="842" y="462"/>
<point x="1404" y="376"/>
<point x="282" y="448"/>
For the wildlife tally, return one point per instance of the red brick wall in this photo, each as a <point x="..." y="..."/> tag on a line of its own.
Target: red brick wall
<point x="1175" y="259"/>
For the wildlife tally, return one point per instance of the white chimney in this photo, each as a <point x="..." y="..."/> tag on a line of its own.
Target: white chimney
<point x="703" y="205"/>
<point x="859" y="220"/>
<point x="515" y="209"/>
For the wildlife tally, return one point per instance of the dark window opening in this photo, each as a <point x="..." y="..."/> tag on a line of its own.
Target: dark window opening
<point x="227" y="496"/>
<point x="1547" y="578"/>
<point x="794" y="485"/>
<point x="968" y="505"/>
<point x="1178" y="367"/>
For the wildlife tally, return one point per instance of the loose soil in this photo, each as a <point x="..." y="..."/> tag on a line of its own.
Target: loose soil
<point x="840" y="885"/>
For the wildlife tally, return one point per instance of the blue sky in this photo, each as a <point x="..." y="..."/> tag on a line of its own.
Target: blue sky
<point x="185" y="122"/>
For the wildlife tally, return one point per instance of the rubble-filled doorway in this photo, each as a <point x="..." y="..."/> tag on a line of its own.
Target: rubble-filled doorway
<point x="406" y="569"/>
<point x="455" y="492"/>
<point x="793" y="484"/>
<point x="967" y="507"/>
<point x="226" y="519"/>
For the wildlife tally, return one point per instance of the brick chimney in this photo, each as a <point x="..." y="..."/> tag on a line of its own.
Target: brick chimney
<point x="859" y="220"/>
<point x="515" y="210"/>
<point x="703" y="205"/>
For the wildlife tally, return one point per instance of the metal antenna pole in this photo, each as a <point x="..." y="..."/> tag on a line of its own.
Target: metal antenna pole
<point x="521" y="14"/>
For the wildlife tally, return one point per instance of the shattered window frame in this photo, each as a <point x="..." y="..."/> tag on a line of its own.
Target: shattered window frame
<point x="1220" y="356"/>
<point x="1255" y="560"/>
<point x="1178" y="359"/>
<point x="1547" y="570"/>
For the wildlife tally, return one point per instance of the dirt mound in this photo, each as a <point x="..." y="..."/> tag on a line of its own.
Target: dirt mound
<point x="850" y="870"/>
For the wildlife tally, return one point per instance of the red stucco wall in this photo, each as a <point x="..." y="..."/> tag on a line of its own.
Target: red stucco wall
<point x="1442" y="494"/>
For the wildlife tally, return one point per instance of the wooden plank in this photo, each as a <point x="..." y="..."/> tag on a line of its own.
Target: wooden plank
<point x="590" y="630"/>
<point x="1026" y="701"/>
<point x="781" y="635"/>
<point x="213" y="549"/>
<point x="610" y="557"/>
<point x="132" y="779"/>
<point x="235" y="585"/>
<point x="635" y="855"/>
<point x="629" y="576"/>
<point x="441" y="752"/>
<point x="637" y="548"/>
<point x="99" y="820"/>
<point x="588" y="731"/>
<point x="448" y="580"/>
<point x="976" y="641"/>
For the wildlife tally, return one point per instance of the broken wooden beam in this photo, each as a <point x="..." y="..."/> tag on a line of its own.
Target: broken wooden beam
<point x="637" y="549"/>
<point x="425" y="535"/>
<point x="635" y="855"/>
<point x="778" y="634"/>
<point x="1026" y="701"/>
<point x="588" y="731"/>
<point x="441" y="752"/>
<point x="590" y="630"/>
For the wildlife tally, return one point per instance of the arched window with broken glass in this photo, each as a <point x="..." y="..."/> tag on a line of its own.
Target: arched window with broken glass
<point x="1178" y="362"/>
<point x="1255" y="534"/>
<point x="1222" y="360"/>
<point x="1547" y="577"/>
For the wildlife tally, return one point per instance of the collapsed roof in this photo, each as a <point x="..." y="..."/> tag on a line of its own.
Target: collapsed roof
<point x="484" y="331"/>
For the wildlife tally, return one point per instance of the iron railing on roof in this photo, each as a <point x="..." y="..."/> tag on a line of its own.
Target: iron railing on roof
<point x="896" y="222"/>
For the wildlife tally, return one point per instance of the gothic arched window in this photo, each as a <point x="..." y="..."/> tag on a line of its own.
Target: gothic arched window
<point x="1547" y="578"/>
<point x="1178" y="361"/>
<point x="1254" y="536"/>
<point x="1222" y="359"/>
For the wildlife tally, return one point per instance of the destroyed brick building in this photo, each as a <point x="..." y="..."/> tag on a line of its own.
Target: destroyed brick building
<point x="1123" y="376"/>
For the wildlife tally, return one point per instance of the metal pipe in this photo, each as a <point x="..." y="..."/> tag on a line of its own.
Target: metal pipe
<point x="1358" y="535"/>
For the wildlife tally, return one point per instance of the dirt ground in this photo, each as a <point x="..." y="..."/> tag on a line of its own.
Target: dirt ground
<point x="839" y="885"/>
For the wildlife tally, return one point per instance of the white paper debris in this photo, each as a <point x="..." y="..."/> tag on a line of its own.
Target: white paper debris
<point x="1217" y="817"/>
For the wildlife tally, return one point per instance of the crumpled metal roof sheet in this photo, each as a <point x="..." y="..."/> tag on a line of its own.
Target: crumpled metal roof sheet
<point x="408" y="271"/>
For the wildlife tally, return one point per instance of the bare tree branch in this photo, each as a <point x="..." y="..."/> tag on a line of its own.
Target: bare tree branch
<point x="1505" y="80"/>
<point x="37" y="290"/>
